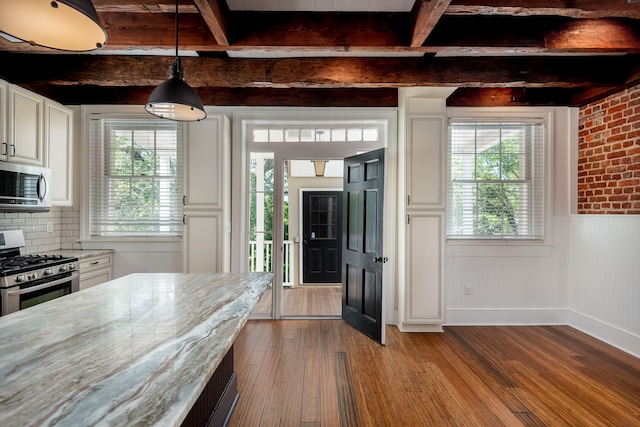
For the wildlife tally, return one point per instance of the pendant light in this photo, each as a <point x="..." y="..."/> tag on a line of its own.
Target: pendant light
<point x="175" y="99"/>
<point x="71" y="25"/>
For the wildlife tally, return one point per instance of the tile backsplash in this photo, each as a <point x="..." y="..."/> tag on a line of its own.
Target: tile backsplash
<point x="63" y="223"/>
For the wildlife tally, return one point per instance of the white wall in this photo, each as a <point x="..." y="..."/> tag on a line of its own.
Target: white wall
<point x="604" y="278"/>
<point x="519" y="283"/>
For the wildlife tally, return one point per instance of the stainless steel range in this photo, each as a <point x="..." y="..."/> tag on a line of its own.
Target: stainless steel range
<point x="27" y="280"/>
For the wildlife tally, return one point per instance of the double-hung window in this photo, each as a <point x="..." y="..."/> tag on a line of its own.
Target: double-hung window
<point x="136" y="178"/>
<point x="495" y="182"/>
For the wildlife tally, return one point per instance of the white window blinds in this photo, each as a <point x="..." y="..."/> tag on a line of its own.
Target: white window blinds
<point x="136" y="178"/>
<point x="495" y="182"/>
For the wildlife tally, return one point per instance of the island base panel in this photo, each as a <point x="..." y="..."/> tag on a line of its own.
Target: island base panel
<point x="217" y="400"/>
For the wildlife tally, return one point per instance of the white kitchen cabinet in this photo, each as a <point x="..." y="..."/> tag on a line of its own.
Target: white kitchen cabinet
<point x="58" y="131"/>
<point x="95" y="270"/>
<point x="207" y="209"/>
<point x="203" y="238"/>
<point x="425" y="161"/>
<point x="4" y="144"/>
<point x="422" y="302"/>
<point x="421" y="291"/>
<point x="206" y="162"/>
<point x="25" y="142"/>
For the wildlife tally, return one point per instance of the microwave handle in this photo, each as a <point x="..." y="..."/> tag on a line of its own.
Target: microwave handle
<point x="43" y="187"/>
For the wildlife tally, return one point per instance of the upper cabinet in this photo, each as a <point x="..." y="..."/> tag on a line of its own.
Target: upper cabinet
<point x="24" y="139"/>
<point x="425" y="162"/>
<point x="58" y="128"/>
<point x="206" y="162"/>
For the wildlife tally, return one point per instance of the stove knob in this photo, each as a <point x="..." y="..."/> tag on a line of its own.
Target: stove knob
<point x="72" y="267"/>
<point x="47" y="272"/>
<point x="20" y="278"/>
<point x="63" y="268"/>
<point x="32" y="276"/>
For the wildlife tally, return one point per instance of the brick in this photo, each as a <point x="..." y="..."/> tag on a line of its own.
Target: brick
<point x="616" y="154"/>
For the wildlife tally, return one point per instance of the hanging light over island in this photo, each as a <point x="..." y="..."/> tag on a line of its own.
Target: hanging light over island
<point x="174" y="99"/>
<point x="69" y="25"/>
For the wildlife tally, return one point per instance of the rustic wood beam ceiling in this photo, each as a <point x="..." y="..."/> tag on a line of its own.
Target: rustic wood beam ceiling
<point x="498" y="52"/>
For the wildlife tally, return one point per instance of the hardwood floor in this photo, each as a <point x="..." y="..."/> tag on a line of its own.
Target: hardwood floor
<point x="306" y="301"/>
<point x="325" y="373"/>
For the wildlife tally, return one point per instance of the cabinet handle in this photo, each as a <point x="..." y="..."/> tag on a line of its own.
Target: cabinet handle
<point x="408" y="199"/>
<point x="94" y="263"/>
<point x="184" y="200"/>
<point x="13" y="150"/>
<point x="184" y="219"/>
<point x="4" y="151"/>
<point x="408" y="219"/>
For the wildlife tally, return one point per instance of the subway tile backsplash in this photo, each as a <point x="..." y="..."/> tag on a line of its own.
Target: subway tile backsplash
<point x="46" y="231"/>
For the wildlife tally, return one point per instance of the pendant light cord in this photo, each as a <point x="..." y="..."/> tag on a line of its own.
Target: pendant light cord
<point x="176" y="28"/>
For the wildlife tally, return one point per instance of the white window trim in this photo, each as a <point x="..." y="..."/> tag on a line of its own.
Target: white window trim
<point x="469" y="247"/>
<point x="144" y="243"/>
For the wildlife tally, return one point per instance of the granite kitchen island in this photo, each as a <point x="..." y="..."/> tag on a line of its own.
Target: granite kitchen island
<point x="141" y="350"/>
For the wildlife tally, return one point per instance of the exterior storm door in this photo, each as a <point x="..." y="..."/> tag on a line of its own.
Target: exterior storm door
<point x="322" y="236"/>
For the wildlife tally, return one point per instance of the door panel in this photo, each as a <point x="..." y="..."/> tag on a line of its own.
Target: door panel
<point x="362" y="254"/>
<point x="322" y="236"/>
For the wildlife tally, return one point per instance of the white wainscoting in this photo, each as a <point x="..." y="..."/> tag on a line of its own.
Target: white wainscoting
<point x="604" y="278"/>
<point x="511" y="284"/>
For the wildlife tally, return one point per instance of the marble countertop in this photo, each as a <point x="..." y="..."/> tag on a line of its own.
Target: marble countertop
<point x="135" y="351"/>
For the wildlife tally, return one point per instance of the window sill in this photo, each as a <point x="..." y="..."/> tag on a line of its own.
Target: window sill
<point x="135" y="244"/>
<point x="498" y="249"/>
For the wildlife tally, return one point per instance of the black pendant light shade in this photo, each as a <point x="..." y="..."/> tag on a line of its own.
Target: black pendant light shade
<point x="70" y="25"/>
<point x="175" y="99"/>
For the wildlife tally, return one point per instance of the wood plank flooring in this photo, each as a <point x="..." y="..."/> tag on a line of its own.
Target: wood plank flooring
<point x="324" y="373"/>
<point x="306" y="301"/>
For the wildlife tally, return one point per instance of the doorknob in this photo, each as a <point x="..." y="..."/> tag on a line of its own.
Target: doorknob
<point x="381" y="259"/>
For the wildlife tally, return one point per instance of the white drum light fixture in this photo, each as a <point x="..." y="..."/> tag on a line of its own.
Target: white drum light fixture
<point x="71" y="25"/>
<point x="174" y="99"/>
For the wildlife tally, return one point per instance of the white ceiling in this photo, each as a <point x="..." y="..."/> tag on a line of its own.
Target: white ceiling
<point x="323" y="5"/>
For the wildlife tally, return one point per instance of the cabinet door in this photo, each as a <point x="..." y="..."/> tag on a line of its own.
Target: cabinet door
<point x="425" y="162"/>
<point x="424" y="289"/>
<point x="94" y="278"/>
<point x="4" y="142"/>
<point x="206" y="163"/>
<point x="25" y="127"/>
<point x="58" y="128"/>
<point x="203" y="250"/>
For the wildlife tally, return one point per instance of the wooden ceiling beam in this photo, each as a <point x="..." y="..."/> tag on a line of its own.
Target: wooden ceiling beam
<point x="213" y="13"/>
<point x="425" y="16"/>
<point x="566" y="8"/>
<point x="70" y="70"/>
<point x="510" y="97"/>
<point x="365" y="34"/>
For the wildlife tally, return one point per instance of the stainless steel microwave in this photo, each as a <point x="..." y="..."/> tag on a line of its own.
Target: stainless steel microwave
<point x="24" y="188"/>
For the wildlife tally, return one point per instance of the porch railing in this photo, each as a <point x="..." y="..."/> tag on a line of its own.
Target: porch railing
<point x="255" y="263"/>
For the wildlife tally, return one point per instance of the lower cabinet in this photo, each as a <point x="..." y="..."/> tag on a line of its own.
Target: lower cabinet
<point x="203" y="237"/>
<point x="95" y="270"/>
<point x="422" y="302"/>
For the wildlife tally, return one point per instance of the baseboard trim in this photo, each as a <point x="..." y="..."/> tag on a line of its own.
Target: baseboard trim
<point x="516" y="316"/>
<point x="611" y="335"/>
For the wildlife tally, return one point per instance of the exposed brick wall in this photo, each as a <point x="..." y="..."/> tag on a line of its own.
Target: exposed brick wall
<point x="609" y="155"/>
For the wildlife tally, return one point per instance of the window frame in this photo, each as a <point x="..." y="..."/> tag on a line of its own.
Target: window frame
<point x="496" y="114"/>
<point x="125" y="113"/>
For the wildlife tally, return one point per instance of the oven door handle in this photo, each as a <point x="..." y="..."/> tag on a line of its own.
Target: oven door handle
<point x="43" y="286"/>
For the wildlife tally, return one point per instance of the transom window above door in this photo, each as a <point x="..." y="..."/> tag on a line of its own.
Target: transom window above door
<point x="320" y="133"/>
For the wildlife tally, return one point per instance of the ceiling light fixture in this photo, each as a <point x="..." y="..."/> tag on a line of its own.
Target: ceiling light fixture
<point x="175" y="99"/>
<point x="71" y="25"/>
<point x="318" y="167"/>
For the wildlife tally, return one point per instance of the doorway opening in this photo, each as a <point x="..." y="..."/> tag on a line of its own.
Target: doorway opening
<point x="273" y="145"/>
